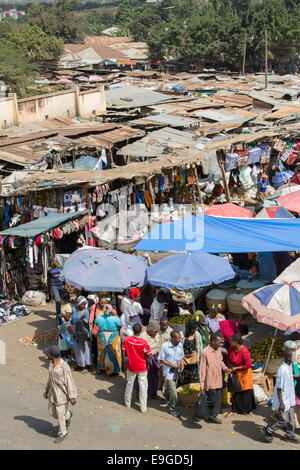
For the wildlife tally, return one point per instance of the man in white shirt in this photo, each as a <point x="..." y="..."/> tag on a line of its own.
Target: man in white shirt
<point x="284" y="397"/>
<point x="158" y="306"/>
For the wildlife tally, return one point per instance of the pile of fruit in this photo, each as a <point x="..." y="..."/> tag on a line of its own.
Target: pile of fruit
<point x="260" y="349"/>
<point x="186" y="390"/>
<point x="181" y="319"/>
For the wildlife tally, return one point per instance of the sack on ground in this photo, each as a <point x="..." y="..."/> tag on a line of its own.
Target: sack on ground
<point x="233" y="384"/>
<point x="259" y="394"/>
<point x="201" y="409"/>
<point x="34" y="298"/>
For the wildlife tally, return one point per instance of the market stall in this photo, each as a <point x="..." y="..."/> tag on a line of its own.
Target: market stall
<point x="26" y="251"/>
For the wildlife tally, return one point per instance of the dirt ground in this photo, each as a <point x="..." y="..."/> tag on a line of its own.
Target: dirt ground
<point x="100" y="419"/>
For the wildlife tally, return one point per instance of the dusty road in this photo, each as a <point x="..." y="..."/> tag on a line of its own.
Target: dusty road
<point x="100" y="420"/>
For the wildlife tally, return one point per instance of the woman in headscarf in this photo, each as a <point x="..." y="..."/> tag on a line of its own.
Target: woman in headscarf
<point x="192" y="347"/>
<point x="82" y="334"/>
<point x="131" y="308"/>
<point x="109" y="343"/>
<point x="153" y="366"/>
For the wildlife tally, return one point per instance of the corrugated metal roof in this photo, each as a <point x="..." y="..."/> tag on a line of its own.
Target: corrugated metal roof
<point x="156" y="142"/>
<point x="166" y="119"/>
<point x="136" y="96"/>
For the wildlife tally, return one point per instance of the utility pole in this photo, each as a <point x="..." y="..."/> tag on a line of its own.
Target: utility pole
<point x="244" y="58"/>
<point x="266" y="59"/>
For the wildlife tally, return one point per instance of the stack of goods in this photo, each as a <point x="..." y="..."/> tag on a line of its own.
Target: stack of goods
<point x="235" y="310"/>
<point x="10" y="310"/>
<point x="216" y="297"/>
<point x="249" y="285"/>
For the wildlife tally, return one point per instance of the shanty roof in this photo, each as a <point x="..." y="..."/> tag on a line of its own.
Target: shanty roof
<point x="161" y="142"/>
<point x="133" y="97"/>
<point x="58" y="179"/>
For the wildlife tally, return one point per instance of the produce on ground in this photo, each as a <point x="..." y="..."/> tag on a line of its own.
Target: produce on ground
<point x="260" y="349"/>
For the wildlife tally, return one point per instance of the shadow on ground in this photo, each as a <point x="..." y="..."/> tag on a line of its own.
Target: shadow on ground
<point x="39" y="425"/>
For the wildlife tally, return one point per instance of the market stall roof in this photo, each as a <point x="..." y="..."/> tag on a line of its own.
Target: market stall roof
<point x="224" y="235"/>
<point x="42" y="225"/>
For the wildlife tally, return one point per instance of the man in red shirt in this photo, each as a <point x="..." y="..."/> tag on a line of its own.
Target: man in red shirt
<point x="136" y="349"/>
<point x="229" y="328"/>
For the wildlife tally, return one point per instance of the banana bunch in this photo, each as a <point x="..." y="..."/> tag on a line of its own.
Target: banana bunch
<point x="180" y="320"/>
<point x="260" y="349"/>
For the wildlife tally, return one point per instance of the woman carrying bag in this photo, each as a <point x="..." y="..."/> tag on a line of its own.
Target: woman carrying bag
<point x="192" y="348"/>
<point x="239" y="359"/>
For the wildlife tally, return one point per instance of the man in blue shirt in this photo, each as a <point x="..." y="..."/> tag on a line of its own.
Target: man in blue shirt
<point x="56" y="281"/>
<point x="171" y="357"/>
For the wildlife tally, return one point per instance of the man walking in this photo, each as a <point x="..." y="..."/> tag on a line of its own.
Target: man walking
<point x="284" y="397"/>
<point x="171" y="357"/>
<point x="60" y="391"/>
<point x="136" y="350"/>
<point x="211" y="380"/>
<point x="164" y="336"/>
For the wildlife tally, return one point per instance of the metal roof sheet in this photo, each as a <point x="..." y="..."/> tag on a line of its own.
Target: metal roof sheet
<point x="136" y="96"/>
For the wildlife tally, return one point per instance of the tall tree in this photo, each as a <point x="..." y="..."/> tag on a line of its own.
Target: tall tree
<point x="59" y="20"/>
<point x="17" y="72"/>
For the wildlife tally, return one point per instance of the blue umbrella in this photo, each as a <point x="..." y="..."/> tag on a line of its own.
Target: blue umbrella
<point x="104" y="270"/>
<point x="281" y="178"/>
<point x="185" y="271"/>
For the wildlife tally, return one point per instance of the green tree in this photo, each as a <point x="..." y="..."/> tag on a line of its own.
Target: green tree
<point x="35" y="44"/>
<point x="17" y="72"/>
<point x="96" y="21"/>
<point x="59" y="20"/>
<point x="125" y="13"/>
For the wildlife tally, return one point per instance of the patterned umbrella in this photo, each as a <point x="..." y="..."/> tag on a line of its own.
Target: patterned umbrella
<point x="277" y="305"/>
<point x="281" y="178"/>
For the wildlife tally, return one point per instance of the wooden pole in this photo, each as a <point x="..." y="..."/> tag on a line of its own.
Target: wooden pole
<point x="266" y="58"/>
<point x="220" y="156"/>
<point x="244" y="58"/>
<point x="151" y="190"/>
<point x="198" y="187"/>
<point x="30" y="205"/>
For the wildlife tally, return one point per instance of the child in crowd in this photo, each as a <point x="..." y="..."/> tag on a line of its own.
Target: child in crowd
<point x="65" y="338"/>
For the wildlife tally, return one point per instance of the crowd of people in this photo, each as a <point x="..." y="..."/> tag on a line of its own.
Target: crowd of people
<point x="155" y="357"/>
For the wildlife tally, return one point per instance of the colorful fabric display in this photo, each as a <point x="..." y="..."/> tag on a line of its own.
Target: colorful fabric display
<point x="231" y="161"/>
<point x="243" y="157"/>
<point x="254" y="155"/>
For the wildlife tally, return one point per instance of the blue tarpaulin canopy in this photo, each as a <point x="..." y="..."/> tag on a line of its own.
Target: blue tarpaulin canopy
<point x="212" y="234"/>
<point x="42" y="225"/>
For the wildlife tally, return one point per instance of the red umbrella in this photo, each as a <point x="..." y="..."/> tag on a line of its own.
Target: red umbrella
<point x="291" y="201"/>
<point x="228" y="210"/>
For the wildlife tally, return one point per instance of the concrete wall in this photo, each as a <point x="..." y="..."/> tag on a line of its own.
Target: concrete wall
<point x="69" y="103"/>
<point x="6" y="113"/>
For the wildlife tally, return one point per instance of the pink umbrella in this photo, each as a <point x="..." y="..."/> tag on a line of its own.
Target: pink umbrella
<point x="64" y="81"/>
<point x="95" y="78"/>
<point x="276" y="318"/>
<point x="228" y="210"/>
<point x="291" y="201"/>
